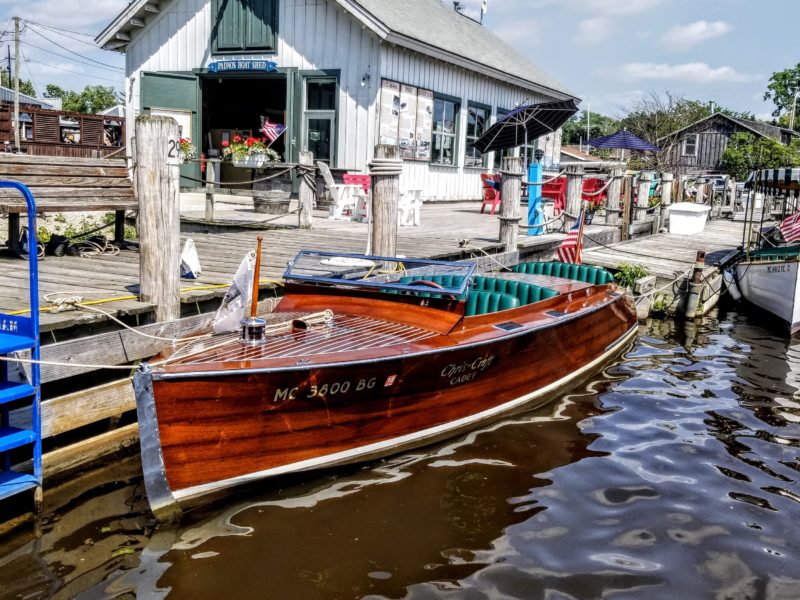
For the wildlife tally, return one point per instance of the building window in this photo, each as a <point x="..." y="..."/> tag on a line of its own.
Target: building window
<point x="319" y="117"/>
<point x="690" y="145"/>
<point x="244" y="25"/>
<point x="445" y="126"/>
<point x="477" y="124"/>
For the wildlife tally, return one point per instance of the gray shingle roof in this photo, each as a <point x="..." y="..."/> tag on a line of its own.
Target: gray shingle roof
<point x="437" y="25"/>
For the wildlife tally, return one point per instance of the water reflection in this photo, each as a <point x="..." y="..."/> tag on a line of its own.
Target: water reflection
<point x="672" y="475"/>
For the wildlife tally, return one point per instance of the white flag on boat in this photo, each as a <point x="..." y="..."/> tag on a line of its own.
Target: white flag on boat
<point x="237" y="298"/>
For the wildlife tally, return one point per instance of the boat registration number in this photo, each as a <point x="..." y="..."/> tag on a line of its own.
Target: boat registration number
<point x="326" y="389"/>
<point x="780" y="269"/>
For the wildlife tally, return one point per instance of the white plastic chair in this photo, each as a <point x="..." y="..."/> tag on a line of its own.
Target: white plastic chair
<point x="344" y="196"/>
<point x="409" y="208"/>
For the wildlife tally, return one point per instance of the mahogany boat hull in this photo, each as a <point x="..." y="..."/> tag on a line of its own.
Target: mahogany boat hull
<point x="204" y="430"/>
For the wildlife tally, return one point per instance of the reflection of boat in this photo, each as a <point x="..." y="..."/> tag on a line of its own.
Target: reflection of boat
<point x="766" y="273"/>
<point x="358" y="363"/>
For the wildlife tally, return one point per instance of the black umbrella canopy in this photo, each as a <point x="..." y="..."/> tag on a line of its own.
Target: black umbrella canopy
<point x="622" y="140"/>
<point x="524" y="124"/>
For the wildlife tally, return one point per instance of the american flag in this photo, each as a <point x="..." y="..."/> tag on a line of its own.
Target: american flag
<point x="272" y="131"/>
<point x="790" y="228"/>
<point x="570" y="249"/>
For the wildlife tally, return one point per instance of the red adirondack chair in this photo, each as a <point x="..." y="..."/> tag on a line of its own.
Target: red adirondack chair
<point x="591" y="186"/>
<point x="557" y="192"/>
<point x="491" y="195"/>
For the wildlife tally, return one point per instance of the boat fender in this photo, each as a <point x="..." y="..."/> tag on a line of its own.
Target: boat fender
<point x="729" y="277"/>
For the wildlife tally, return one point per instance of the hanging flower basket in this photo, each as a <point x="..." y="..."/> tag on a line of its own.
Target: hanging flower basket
<point x="250" y="161"/>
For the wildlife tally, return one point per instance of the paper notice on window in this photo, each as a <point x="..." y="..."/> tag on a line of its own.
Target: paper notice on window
<point x="424" y="124"/>
<point x="408" y="121"/>
<point x="390" y="112"/>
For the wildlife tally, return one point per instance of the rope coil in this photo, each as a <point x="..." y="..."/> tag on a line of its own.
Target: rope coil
<point x="385" y="166"/>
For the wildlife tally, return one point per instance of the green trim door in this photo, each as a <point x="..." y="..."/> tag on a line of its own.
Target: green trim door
<point x="177" y="93"/>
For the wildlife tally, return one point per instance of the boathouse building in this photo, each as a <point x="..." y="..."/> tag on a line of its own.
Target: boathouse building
<point x="341" y="75"/>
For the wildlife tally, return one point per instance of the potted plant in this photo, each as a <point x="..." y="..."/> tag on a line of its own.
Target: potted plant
<point x="188" y="151"/>
<point x="592" y="206"/>
<point x="251" y="152"/>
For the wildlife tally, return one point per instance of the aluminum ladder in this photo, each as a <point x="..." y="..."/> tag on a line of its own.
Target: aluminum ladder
<point x="19" y="332"/>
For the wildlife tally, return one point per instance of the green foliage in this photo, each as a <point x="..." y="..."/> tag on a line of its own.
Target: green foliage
<point x="25" y="86"/>
<point x="599" y="125"/>
<point x="627" y="275"/>
<point x="747" y="152"/>
<point x="659" y="306"/>
<point x="92" y="99"/>
<point x="782" y="88"/>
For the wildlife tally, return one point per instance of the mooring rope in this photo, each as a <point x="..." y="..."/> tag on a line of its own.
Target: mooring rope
<point x="551" y="180"/>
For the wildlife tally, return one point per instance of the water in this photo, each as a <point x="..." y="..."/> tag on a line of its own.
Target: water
<point x="673" y="474"/>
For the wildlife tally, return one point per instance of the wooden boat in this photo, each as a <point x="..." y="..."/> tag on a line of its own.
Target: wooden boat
<point x="765" y="274"/>
<point x="358" y="362"/>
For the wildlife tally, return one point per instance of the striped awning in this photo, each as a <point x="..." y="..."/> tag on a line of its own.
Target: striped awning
<point x="778" y="179"/>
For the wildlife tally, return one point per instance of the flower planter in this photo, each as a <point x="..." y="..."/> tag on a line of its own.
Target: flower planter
<point x="251" y="161"/>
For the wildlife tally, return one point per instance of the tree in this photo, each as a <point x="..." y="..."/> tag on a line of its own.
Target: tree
<point x="25" y="86"/>
<point x="747" y="152"/>
<point x="574" y="130"/>
<point x="782" y="89"/>
<point x="92" y="99"/>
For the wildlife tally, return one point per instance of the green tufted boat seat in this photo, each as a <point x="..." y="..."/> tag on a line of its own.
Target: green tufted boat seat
<point x="481" y="303"/>
<point x="526" y="293"/>
<point x="584" y="273"/>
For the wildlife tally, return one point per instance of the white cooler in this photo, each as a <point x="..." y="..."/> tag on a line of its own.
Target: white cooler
<point x="687" y="218"/>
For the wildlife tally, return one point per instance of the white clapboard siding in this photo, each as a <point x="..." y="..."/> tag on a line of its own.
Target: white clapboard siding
<point x="319" y="35"/>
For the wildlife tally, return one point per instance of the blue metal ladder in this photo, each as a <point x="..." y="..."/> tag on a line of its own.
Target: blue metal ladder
<point x="18" y="332"/>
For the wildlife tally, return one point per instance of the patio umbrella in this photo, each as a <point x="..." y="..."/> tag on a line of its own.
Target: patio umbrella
<point x="622" y="140"/>
<point x="526" y="122"/>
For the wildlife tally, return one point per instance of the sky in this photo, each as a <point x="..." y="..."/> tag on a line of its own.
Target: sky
<point x="607" y="52"/>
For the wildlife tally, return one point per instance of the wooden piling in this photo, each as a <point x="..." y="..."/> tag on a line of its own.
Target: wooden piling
<point x="627" y="192"/>
<point x="158" y="174"/>
<point x="614" y="192"/>
<point x="510" y="200"/>
<point x="694" y="287"/>
<point x="642" y="197"/>
<point x="385" y="169"/>
<point x="305" y="215"/>
<point x="574" y="194"/>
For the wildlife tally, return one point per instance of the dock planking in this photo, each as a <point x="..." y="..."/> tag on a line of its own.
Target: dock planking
<point x="102" y="277"/>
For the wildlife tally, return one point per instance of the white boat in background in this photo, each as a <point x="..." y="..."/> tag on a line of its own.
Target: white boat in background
<point x="766" y="275"/>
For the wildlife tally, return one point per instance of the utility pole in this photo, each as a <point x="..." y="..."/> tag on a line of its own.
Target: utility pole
<point x="8" y="48"/>
<point x="588" y="111"/>
<point x="794" y="108"/>
<point x="16" y="84"/>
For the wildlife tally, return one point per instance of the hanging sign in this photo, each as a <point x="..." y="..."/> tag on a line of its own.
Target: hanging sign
<point x="224" y="66"/>
<point x="408" y="121"/>
<point x="389" y="112"/>
<point x="424" y="124"/>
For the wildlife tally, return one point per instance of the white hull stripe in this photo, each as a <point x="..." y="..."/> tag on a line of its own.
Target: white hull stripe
<point x="417" y="438"/>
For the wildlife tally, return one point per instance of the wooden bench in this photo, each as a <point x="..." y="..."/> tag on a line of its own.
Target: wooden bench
<point x="66" y="184"/>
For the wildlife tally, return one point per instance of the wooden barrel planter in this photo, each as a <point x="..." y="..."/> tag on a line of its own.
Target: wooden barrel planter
<point x="273" y="202"/>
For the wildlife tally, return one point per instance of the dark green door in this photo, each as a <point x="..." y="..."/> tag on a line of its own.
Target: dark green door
<point x="176" y="95"/>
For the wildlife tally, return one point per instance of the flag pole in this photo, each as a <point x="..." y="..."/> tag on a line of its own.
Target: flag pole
<point x="256" y="278"/>
<point x="579" y="243"/>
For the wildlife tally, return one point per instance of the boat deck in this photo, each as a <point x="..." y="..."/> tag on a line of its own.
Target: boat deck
<point x="287" y="337"/>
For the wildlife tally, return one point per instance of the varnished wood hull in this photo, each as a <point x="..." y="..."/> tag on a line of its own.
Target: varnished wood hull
<point x="212" y="428"/>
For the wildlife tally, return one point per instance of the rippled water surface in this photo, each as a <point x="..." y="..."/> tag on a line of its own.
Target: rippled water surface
<point x="672" y="474"/>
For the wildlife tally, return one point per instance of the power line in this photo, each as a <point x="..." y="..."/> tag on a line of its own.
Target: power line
<point x="64" y="56"/>
<point x="59" y="28"/>
<point x="27" y="66"/>
<point x="38" y="62"/>
<point x="76" y="53"/>
<point x="69" y="37"/>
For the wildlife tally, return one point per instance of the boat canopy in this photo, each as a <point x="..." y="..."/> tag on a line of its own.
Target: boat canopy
<point x="778" y="179"/>
<point x="380" y="272"/>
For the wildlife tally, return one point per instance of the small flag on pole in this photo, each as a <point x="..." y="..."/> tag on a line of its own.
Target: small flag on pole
<point x="570" y="249"/>
<point x="790" y="228"/>
<point x="272" y="131"/>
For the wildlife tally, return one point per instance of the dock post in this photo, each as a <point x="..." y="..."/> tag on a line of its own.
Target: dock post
<point x="213" y="166"/>
<point x="307" y="173"/>
<point x="627" y="192"/>
<point x="680" y="195"/>
<point x="385" y="169"/>
<point x="574" y="194"/>
<point x="694" y="287"/>
<point x="666" y="198"/>
<point x="614" y="192"/>
<point x="510" y="200"/>
<point x="158" y="176"/>
<point x="643" y="196"/>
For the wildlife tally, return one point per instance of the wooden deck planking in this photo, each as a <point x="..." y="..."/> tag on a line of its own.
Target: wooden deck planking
<point x="105" y="276"/>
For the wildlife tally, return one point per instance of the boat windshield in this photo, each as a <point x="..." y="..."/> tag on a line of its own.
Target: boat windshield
<point x="435" y="278"/>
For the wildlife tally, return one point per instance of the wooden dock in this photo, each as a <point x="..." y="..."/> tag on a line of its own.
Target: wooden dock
<point x="112" y="282"/>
